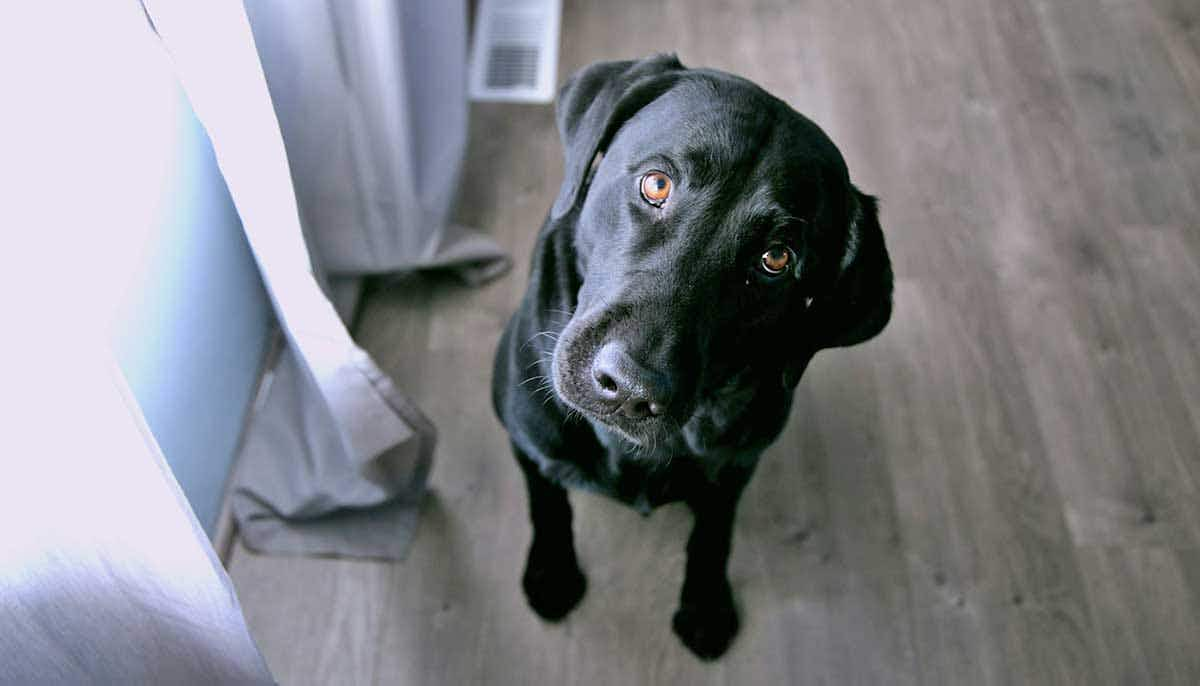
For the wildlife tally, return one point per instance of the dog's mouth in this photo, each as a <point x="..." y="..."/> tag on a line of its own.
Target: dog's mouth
<point x="566" y="383"/>
<point x="704" y="418"/>
<point x="639" y="434"/>
<point x="572" y="383"/>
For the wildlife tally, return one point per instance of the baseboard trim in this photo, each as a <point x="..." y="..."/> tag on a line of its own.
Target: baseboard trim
<point x="225" y="528"/>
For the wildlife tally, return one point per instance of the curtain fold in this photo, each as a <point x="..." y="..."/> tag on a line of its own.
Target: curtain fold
<point x="335" y="457"/>
<point x="371" y="100"/>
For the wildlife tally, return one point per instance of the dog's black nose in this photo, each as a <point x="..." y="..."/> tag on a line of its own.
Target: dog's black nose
<point x="632" y="389"/>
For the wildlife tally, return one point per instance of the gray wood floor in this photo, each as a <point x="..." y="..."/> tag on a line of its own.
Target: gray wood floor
<point x="1002" y="488"/>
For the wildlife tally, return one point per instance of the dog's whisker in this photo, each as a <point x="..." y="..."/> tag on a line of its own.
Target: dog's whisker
<point x="552" y="335"/>
<point x="544" y="357"/>
<point x="533" y="378"/>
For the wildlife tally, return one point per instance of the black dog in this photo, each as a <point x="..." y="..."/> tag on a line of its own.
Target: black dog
<point x="705" y="244"/>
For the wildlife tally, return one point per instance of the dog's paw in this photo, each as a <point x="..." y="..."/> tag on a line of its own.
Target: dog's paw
<point x="553" y="584"/>
<point x="707" y="628"/>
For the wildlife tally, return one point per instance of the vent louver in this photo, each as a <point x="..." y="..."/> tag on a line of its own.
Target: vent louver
<point x="515" y="50"/>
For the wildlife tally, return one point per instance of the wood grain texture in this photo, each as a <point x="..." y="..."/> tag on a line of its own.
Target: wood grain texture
<point x="1004" y="487"/>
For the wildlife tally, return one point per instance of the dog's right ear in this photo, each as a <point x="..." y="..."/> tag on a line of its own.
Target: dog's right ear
<point x="594" y="103"/>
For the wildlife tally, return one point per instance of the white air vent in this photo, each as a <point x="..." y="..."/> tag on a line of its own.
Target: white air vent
<point x="515" y="50"/>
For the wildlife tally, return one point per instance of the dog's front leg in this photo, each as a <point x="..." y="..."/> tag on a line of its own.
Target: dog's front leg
<point x="706" y="620"/>
<point x="553" y="582"/>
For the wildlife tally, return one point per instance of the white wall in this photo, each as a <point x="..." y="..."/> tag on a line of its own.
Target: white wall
<point x="118" y="231"/>
<point x="194" y="321"/>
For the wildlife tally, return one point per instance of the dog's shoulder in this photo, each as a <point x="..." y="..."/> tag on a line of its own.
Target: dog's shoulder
<point x="521" y="388"/>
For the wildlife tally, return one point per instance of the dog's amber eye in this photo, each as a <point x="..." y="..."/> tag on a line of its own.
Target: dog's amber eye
<point x="656" y="188"/>
<point x="776" y="260"/>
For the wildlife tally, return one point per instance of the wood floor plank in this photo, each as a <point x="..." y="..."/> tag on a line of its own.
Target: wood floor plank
<point x="938" y="500"/>
<point x="1009" y="570"/>
<point x="1169" y="268"/>
<point x="1177" y="24"/>
<point x="1126" y="484"/>
<point x="317" y="621"/>
<point x="1145" y="614"/>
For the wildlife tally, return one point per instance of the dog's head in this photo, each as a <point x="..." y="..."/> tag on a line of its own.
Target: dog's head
<point x="720" y="244"/>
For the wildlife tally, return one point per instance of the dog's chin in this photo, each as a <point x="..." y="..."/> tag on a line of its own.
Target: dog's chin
<point x="640" y="434"/>
<point x="634" y="433"/>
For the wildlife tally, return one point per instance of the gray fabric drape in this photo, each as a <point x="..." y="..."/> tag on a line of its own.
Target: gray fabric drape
<point x="371" y="99"/>
<point x="368" y="103"/>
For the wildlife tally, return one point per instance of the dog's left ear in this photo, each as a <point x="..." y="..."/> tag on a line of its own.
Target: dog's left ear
<point x="860" y="303"/>
<point x="593" y="105"/>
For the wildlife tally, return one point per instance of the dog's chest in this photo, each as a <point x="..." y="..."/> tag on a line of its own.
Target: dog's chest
<point x="642" y="482"/>
<point x="645" y="486"/>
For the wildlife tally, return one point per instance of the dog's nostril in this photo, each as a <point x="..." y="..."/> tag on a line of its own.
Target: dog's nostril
<point x="606" y="382"/>
<point x="610" y="388"/>
<point x="641" y="408"/>
<point x="625" y="387"/>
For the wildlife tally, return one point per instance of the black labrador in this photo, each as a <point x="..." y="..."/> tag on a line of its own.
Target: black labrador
<point x="705" y="244"/>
